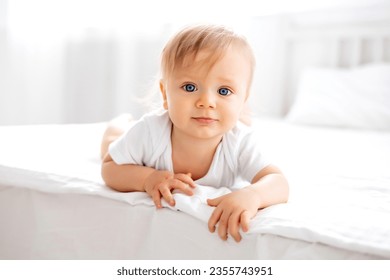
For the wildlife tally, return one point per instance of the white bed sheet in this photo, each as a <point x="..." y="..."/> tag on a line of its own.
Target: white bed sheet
<point x="55" y="205"/>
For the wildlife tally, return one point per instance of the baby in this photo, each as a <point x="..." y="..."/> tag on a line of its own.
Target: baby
<point x="198" y="138"/>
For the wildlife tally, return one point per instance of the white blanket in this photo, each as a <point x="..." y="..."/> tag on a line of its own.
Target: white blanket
<point x="340" y="184"/>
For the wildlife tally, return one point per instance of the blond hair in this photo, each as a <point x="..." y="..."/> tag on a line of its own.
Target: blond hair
<point x="182" y="49"/>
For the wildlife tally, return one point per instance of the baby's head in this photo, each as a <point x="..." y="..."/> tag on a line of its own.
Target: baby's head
<point x="183" y="49"/>
<point x="206" y="77"/>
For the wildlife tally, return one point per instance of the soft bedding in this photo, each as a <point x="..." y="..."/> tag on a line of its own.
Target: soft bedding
<point x="55" y="205"/>
<point x="356" y="97"/>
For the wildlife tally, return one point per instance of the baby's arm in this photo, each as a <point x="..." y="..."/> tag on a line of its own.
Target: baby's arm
<point x="157" y="183"/>
<point x="268" y="187"/>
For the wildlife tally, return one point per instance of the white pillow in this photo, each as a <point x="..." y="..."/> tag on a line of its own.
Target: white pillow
<point x="353" y="98"/>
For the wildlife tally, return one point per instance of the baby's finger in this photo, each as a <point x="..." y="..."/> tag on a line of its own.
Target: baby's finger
<point x="233" y="226"/>
<point x="214" y="201"/>
<point x="156" y="196"/>
<point x="179" y="185"/>
<point x="166" y="193"/>
<point x="186" y="178"/>
<point x="244" y="220"/>
<point x="223" y="225"/>
<point x="214" y="218"/>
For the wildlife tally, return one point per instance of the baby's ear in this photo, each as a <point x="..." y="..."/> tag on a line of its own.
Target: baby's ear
<point x="164" y="94"/>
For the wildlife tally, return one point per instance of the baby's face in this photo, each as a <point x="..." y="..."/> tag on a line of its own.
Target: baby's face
<point x="206" y="102"/>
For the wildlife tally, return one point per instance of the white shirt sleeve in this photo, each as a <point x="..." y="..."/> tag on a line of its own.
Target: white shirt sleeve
<point x="130" y="148"/>
<point x="250" y="158"/>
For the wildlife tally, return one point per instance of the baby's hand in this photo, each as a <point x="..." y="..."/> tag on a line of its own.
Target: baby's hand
<point x="232" y="210"/>
<point x="161" y="183"/>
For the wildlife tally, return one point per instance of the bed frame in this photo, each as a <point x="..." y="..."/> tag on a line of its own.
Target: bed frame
<point x="348" y="41"/>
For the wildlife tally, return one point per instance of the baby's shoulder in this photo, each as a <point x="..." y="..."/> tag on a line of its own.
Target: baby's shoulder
<point x="157" y="130"/>
<point x="155" y="122"/>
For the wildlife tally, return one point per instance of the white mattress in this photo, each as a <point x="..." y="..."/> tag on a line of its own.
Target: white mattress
<point x="54" y="205"/>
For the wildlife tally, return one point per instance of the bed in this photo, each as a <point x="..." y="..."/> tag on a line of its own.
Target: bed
<point x="54" y="204"/>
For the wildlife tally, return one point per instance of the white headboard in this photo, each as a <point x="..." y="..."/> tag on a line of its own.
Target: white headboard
<point x="346" y="41"/>
<point x="333" y="38"/>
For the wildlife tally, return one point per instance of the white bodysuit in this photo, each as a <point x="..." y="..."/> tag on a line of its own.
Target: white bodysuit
<point x="148" y="142"/>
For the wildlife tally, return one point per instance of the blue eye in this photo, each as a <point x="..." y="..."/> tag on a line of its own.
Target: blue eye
<point x="224" y="91"/>
<point x="189" y="87"/>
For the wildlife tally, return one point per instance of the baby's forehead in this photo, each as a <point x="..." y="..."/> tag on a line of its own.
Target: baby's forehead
<point x="208" y="58"/>
<point x="201" y="58"/>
